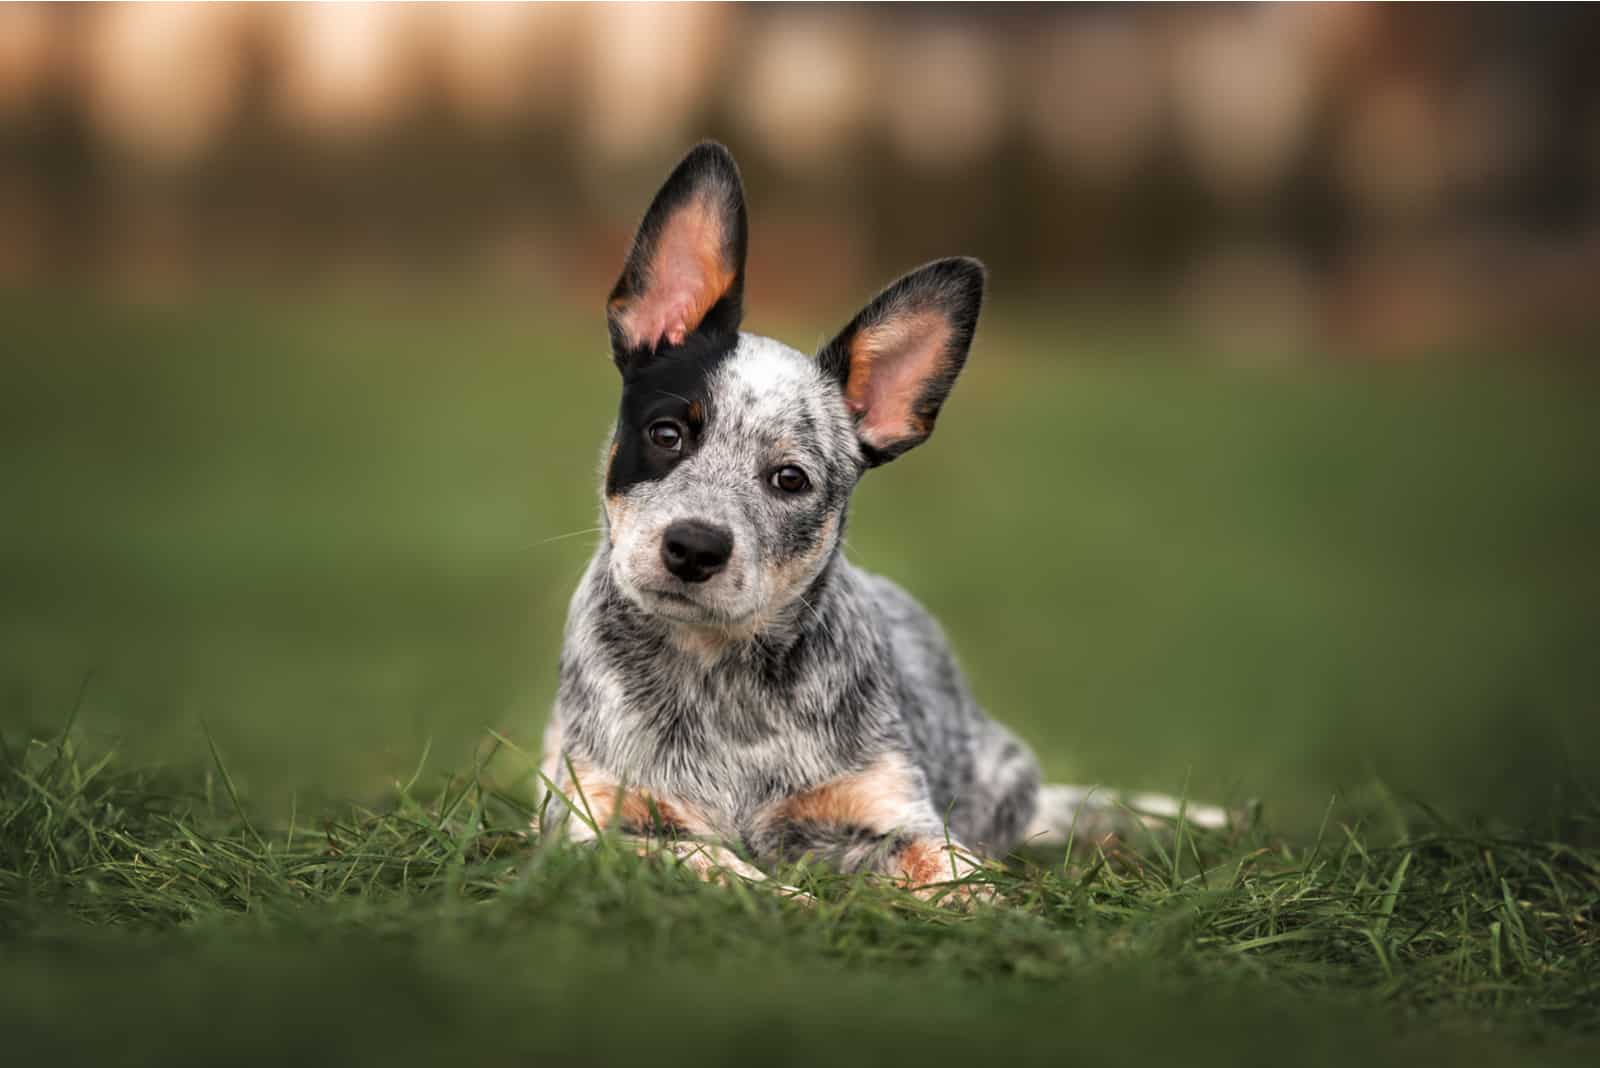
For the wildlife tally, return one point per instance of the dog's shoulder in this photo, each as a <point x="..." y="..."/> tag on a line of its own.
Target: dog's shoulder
<point x="911" y="628"/>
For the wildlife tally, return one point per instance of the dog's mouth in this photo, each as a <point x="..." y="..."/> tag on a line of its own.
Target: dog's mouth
<point x="682" y="608"/>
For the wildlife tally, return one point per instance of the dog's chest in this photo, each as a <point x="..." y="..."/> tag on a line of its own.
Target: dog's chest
<point x="727" y="740"/>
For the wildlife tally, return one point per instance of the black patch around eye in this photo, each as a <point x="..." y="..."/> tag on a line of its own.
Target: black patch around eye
<point x="675" y="385"/>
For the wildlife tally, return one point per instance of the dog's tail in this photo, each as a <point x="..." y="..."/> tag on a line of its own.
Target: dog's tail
<point x="1085" y="814"/>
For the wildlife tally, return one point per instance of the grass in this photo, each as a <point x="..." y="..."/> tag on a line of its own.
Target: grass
<point x="438" y="922"/>
<point x="327" y="547"/>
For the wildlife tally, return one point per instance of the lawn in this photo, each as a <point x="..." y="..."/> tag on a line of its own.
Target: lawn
<point x="281" y="590"/>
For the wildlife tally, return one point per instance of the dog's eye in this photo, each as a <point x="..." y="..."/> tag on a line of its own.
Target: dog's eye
<point x="666" y="435"/>
<point x="790" y="479"/>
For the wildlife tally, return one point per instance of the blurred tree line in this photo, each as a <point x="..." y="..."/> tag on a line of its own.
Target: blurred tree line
<point x="1380" y="180"/>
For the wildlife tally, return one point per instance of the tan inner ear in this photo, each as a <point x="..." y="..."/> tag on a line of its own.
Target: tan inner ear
<point x="890" y="365"/>
<point x="686" y="276"/>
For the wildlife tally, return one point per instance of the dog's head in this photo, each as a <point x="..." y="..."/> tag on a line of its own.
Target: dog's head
<point x="734" y="455"/>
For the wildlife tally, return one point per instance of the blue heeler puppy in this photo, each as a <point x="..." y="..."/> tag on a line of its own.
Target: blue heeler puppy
<point x="732" y="689"/>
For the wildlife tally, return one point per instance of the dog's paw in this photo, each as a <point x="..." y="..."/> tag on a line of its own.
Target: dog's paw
<point x="962" y="896"/>
<point x="718" y="864"/>
<point x="941" y="872"/>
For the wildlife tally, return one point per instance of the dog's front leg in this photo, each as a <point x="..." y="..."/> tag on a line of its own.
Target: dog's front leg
<point x="650" y="825"/>
<point x="880" y="819"/>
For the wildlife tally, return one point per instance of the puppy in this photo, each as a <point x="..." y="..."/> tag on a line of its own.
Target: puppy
<point x="732" y="689"/>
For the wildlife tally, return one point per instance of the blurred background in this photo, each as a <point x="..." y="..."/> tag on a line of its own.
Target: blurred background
<point x="1273" y="471"/>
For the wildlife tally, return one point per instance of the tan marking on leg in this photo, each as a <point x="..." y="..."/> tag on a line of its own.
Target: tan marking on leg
<point x="592" y="795"/>
<point x="885" y="796"/>
<point x="924" y="861"/>
<point x="927" y="863"/>
<point x="648" y="813"/>
<point x="880" y="798"/>
<point x="598" y="796"/>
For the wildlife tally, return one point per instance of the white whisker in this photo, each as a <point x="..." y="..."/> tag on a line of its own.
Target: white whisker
<point x="569" y="534"/>
<point x="815" y="615"/>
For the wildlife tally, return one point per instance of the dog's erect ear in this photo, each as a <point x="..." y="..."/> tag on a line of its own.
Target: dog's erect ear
<point x="685" y="272"/>
<point x="898" y="359"/>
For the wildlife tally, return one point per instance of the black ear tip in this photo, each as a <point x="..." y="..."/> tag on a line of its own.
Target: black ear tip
<point x="963" y="279"/>
<point x="964" y="272"/>
<point x="969" y="270"/>
<point x="710" y="157"/>
<point x="710" y="147"/>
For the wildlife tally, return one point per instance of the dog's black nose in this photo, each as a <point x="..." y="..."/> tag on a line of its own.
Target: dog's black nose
<point x="695" y="551"/>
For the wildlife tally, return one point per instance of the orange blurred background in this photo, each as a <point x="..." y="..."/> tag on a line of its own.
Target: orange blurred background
<point x="1342" y="179"/>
